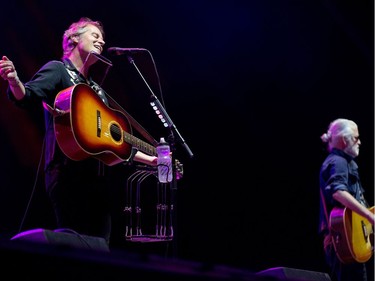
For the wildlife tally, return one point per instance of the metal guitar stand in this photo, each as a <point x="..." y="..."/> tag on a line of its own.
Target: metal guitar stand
<point x="166" y="192"/>
<point x="162" y="216"/>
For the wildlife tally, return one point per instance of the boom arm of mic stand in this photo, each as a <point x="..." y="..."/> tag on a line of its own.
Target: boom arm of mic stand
<point x="157" y="106"/>
<point x="155" y="103"/>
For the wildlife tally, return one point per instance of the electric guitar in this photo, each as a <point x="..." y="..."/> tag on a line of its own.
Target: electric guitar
<point x="352" y="235"/>
<point x="86" y="127"/>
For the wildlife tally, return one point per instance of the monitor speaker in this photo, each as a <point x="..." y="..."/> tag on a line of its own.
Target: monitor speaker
<point x="68" y="239"/>
<point x="293" y="274"/>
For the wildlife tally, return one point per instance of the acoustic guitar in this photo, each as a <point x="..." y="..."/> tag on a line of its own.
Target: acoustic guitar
<point x="352" y="235"/>
<point x="86" y="127"/>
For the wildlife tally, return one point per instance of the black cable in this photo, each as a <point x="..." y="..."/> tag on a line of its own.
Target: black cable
<point x="36" y="178"/>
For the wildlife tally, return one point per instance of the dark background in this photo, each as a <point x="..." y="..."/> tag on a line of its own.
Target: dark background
<point x="250" y="86"/>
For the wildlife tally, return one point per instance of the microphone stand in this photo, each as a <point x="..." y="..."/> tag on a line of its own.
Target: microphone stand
<point x="174" y="134"/>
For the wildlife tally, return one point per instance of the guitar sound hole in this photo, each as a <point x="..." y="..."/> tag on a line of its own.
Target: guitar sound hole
<point x="116" y="132"/>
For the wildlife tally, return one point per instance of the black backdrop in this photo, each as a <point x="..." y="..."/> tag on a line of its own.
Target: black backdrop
<point x="250" y="85"/>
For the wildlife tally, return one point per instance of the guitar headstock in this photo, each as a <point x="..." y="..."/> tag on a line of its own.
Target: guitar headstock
<point x="179" y="169"/>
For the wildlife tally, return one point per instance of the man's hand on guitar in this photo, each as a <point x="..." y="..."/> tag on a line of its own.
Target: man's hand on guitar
<point x="145" y="158"/>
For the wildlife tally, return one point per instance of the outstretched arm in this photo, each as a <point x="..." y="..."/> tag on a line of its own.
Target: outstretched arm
<point x="9" y="73"/>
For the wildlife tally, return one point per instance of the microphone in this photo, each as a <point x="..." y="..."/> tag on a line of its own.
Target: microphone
<point x="121" y="51"/>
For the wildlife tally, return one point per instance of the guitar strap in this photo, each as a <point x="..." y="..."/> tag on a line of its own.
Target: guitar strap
<point x="324" y="205"/>
<point x="327" y="238"/>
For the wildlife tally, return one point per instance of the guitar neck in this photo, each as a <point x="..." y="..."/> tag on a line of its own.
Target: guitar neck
<point x="139" y="144"/>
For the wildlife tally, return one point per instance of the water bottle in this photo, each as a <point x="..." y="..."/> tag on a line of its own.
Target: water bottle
<point x="164" y="161"/>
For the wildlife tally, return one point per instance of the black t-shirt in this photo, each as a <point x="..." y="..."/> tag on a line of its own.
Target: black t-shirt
<point x="53" y="77"/>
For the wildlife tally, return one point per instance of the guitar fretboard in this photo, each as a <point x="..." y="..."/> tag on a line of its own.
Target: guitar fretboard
<point x="139" y="144"/>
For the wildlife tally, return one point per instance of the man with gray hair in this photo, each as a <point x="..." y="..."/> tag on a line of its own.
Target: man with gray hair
<point x="342" y="201"/>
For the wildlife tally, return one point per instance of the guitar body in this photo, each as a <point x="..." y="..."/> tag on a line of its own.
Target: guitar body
<point x="352" y="235"/>
<point x="89" y="128"/>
